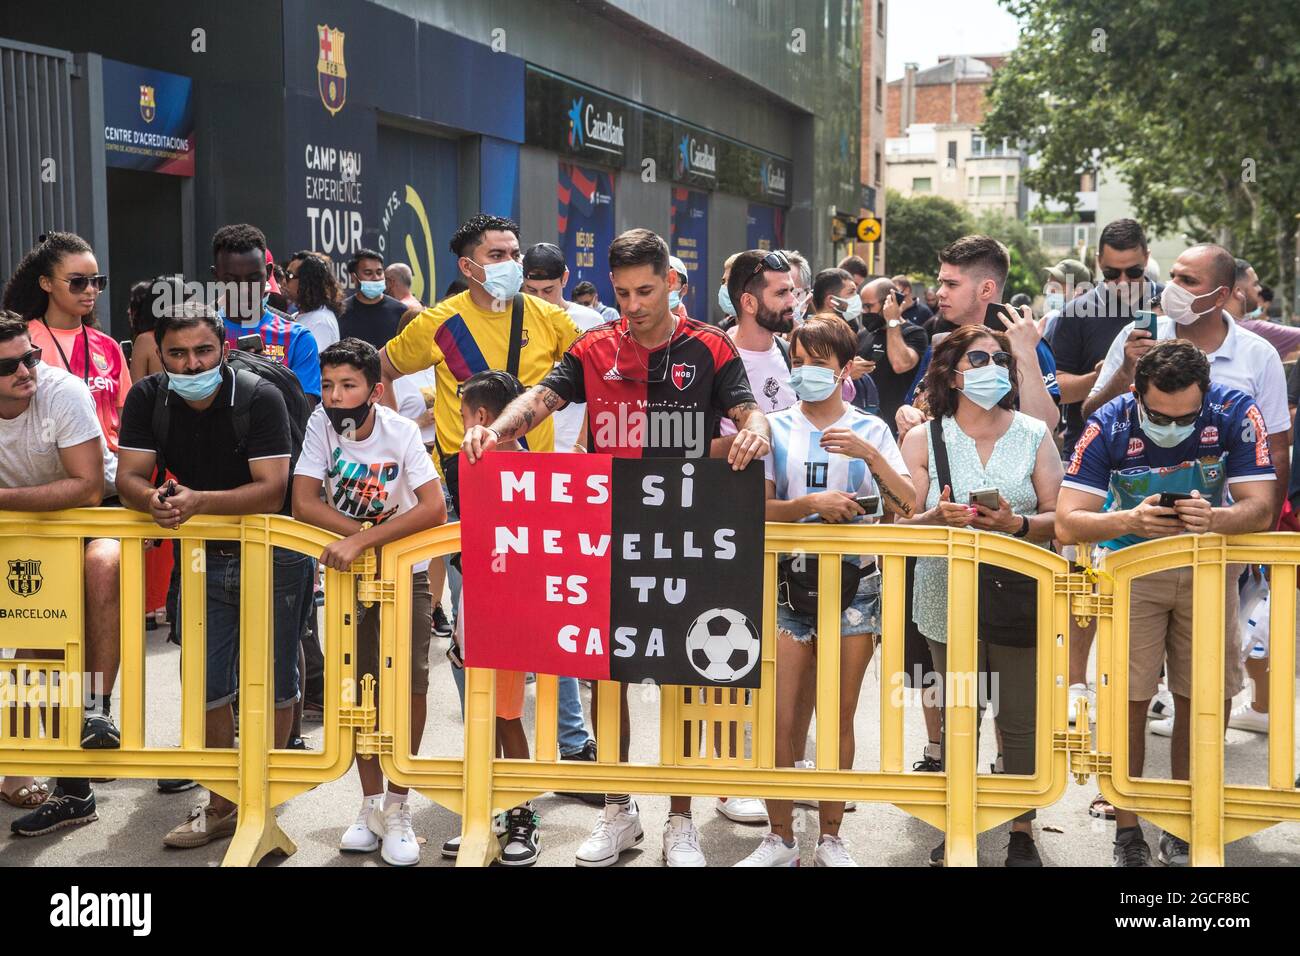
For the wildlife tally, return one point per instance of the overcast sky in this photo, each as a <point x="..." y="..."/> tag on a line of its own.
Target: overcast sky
<point x="919" y="31"/>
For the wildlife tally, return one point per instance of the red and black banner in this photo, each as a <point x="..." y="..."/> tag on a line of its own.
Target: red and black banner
<point x="613" y="568"/>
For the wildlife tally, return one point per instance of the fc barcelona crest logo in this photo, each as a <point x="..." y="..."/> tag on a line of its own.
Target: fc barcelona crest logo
<point x="24" y="577"/>
<point x="682" y="376"/>
<point x="148" y="108"/>
<point x="332" y="75"/>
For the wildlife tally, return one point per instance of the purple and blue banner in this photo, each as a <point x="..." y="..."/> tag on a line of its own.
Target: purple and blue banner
<point x="148" y="119"/>
<point x="764" y="227"/>
<point x="585" y="223"/>
<point x="690" y="243"/>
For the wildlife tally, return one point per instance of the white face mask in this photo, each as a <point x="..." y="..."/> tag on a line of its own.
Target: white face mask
<point x="1177" y="303"/>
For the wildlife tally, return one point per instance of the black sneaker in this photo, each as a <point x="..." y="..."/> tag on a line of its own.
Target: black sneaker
<point x="1021" y="851"/>
<point x="297" y="743"/>
<point x="936" y="855"/>
<point x="59" y="811"/>
<point x="1172" y="851"/>
<point x="176" y="785"/>
<point x="441" y="626"/>
<point x="522" y="843"/>
<point x="588" y="754"/>
<point x="98" y="732"/>
<point x="927" y="764"/>
<point x="1131" y="848"/>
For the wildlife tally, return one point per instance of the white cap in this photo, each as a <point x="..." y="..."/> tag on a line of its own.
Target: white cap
<point x="679" y="267"/>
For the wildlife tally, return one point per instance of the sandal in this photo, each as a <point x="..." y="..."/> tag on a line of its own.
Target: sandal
<point x="1101" y="808"/>
<point x="25" y="798"/>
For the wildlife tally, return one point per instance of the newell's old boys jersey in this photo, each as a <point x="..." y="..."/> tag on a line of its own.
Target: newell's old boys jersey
<point x="1114" y="458"/>
<point x="664" y="404"/>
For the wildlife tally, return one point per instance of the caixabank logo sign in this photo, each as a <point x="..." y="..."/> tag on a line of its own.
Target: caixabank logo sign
<point x="697" y="157"/>
<point x="590" y="130"/>
<point x="331" y="72"/>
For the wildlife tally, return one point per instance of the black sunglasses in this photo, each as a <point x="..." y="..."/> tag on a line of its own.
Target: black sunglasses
<point x="772" y="262"/>
<point x="1155" y="418"/>
<point x="10" y="365"/>
<point x="79" y="283"/>
<point x="978" y="358"/>
<point x="1133" y="272"/>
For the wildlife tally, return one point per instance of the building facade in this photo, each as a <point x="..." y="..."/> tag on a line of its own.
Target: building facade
<point x="875" y="15"/>
<point x="338" y="124"/>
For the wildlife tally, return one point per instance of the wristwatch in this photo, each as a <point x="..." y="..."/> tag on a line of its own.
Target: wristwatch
<point x="894" y="323"/>
<point x="1024" y="527"/>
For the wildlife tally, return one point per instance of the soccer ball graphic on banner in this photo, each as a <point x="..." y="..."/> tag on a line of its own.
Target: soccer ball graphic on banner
<point x="722" y="645"/>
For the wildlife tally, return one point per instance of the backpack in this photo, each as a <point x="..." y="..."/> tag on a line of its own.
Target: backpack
<point x="249" y="368"/>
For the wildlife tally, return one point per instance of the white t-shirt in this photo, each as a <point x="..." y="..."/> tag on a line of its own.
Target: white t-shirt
<point x="568" y="420"/>
<point x="769" y="380"/>
<point x="414" y="395"/>
<point x="1245" y="361"/>
<point x="369" y="480"/>
<point x="61" y="415"/>
<point x="322" y="324"/>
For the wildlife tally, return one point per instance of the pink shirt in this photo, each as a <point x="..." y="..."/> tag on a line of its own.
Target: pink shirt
<point x="1284" y="338"/>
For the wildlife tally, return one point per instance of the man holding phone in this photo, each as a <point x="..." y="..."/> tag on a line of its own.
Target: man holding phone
<point x="894" y="344"/>
<point x="1165" y="457"/>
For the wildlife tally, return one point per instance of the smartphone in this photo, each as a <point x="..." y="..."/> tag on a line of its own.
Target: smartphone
<point x="250" y="343"/>
<point x="868" y="503"/>
<point x="1167" y="498"/>
<point x="899" y="297"/>
<point x="1145" y="320"/>
<point x="988" y="497"/>
<point x="126" y="345"/>
<point x="994" y="316"/>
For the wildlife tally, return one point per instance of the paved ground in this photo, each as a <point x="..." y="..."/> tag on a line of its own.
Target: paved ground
<point x="134" y="817"/>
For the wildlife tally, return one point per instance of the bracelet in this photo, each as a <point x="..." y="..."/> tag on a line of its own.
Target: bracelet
<point x="493" y="430"/>
<point x="1024" y="527"/>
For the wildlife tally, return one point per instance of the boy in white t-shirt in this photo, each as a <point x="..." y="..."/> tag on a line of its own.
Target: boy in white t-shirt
<point x="378" y="485"/>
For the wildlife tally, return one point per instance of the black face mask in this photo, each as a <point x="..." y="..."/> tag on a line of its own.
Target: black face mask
<point x="873" y="321"/>
<point x="347" y="421"/>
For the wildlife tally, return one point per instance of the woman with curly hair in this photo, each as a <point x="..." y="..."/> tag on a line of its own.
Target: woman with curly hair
<point x="319" y="299"/>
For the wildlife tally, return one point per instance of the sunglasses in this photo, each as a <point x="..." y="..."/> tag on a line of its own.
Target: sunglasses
<point x="978" y="358"/>
<point x="1133" y="272"/>
<point x="10" y="365"/>
<point x="1155" y="418"/>
<point x="79" y="283"/>
<point x="772" y="262"/>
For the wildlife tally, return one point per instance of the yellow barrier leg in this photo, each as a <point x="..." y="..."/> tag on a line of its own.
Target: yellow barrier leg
<point x="478" y="846"/>
<point x="257" y="833"/>
<point x="961" y="715"/>
<point x="1206" y="776"/>
<point x="1281" y="678"/>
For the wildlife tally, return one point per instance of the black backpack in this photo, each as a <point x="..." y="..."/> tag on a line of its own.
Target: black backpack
<point x="248" y="368"/>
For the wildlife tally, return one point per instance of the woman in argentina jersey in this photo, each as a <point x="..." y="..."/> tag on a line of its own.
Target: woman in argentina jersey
<point x="825" y="454"/>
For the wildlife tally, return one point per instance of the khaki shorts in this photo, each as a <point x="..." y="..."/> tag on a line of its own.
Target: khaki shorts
<point x="1160" y="632"/>
<point x="421" y="637"/>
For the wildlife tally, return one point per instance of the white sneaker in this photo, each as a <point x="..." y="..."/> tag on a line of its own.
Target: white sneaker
<point x="1163" y="727"/>
<point x="773" y="852"/>
<point x="743" y="809"/>
<point x="832" y="851"/>
<point x="682" y="843"/>
<point x="618" y="828"/>
<point x="451" y="848"/>
<point x="1246" y="717"/>
<point x="1161" y="706"/>
<point x="358" y="838"/>
<point x="400" y="847"/>
<point x="1082" y="692"/>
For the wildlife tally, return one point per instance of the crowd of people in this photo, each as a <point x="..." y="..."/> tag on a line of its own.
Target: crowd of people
<point x="1129" y="409"/>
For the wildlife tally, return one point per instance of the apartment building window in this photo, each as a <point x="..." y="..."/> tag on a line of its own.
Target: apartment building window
<point x="1011" y="186"/>
<point x="921" y="184"/>
<point x="952" y="154"/>
<point x="877" y="167"/>
<point x="976" y="144"/>
<point x="990" y="185"/>
<point x="880" y="94"/>
<point x="880" y="17"/>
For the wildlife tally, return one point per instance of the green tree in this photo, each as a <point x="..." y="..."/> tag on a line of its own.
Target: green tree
<point x="1187" y="100"/>
<point x="920" y="226"/>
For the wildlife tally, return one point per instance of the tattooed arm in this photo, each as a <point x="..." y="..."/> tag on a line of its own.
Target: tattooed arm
<point x="520" y="417"/>
<point x="753" y="437"/>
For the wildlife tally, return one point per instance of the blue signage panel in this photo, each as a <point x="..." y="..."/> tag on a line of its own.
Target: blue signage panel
<point x="148" y="119"/>
<point x="586" y="225"/>
<point x="690" y="243"/>
<point x="764" y="227"/>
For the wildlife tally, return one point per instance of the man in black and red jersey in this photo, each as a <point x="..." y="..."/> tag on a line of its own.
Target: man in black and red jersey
<point x="655" y="385"/>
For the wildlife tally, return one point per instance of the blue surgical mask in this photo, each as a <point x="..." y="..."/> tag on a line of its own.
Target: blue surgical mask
<point x="372" y="290"/>
<point x="986" y="386"/>
<point x="195" y="388"/>
<point x="812" y="383"/>
<point x="1255" y="313"/>
<point x="1166" y="436"/>
<point x="502" y="280"/>
<point x="1054" y="301"/>
<point x="724" y="301"/>
<point x="674" y="298"/>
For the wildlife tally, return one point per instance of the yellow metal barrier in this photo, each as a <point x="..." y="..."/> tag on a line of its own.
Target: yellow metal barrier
<point x="254" y="776"/>
<point x="1204" y="810"/>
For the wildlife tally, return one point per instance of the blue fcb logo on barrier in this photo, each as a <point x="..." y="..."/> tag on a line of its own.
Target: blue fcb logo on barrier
<point x="24" y="577"/>
<point x="331" y="72"/>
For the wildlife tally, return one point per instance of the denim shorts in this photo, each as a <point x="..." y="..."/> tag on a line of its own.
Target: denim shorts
<point x="860" y="617"/>
<point x="291" y="601"/>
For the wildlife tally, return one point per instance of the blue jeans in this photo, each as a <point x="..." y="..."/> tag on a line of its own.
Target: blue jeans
<point x="290" y="597"/>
